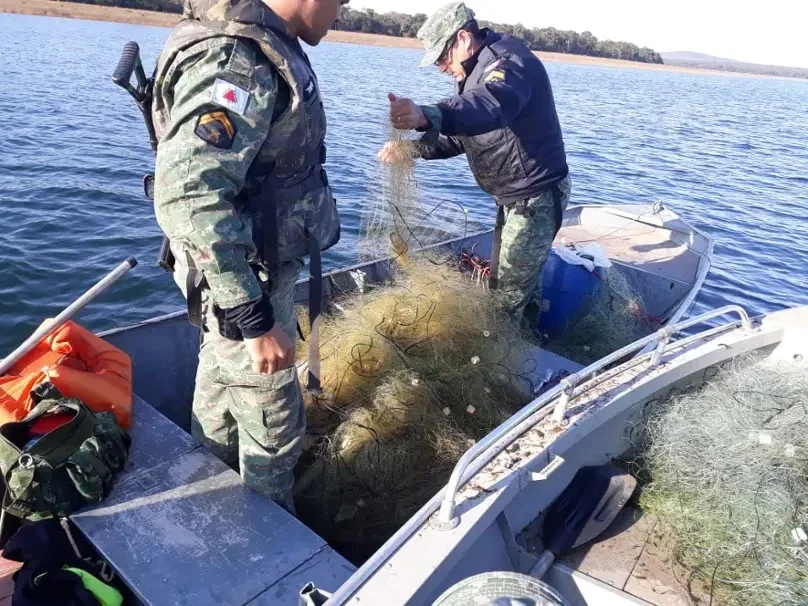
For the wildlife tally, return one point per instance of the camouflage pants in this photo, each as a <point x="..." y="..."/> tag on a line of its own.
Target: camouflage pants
<point x="252" y="422"/>
<point x="528" y="234"/>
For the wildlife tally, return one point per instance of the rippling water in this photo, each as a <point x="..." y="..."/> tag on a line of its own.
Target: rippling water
<point x="729" y="154"/>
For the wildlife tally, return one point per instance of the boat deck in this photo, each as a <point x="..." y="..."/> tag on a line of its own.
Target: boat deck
<point x="180" y="527"/>
<point x="632" y="556"/>
<point x="640" y="246"/>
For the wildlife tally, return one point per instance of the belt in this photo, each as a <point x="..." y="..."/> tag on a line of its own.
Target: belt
<point x="315" y="307"/>
<point x="266" y="230"/>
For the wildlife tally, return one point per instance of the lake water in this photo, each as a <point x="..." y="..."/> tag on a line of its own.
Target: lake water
<point x="730" y="154"/>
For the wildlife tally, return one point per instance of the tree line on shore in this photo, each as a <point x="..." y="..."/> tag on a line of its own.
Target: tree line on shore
<point x="539" y="39"/>
<point x="403" y="25"/>
<point x="163" y="6"/>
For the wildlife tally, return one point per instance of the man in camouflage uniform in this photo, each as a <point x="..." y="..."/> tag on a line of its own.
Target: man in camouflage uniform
<point x="503" y="118"/>
<point x="241" y="194"/>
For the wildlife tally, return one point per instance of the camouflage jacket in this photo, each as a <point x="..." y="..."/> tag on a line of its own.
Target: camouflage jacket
<point x="240" y="123"/>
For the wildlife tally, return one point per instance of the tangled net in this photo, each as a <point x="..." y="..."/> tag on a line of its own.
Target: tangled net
<point x="395" y="207"/>
<point x="413" y="372"/>
<point x="610" y="319"/>
<point x="728" y="482"/>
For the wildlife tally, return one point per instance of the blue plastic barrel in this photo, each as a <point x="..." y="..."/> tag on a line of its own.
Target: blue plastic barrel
<point x="565" y="288"/>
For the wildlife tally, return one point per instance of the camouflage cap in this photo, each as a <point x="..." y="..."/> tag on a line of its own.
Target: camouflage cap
<point x="444" y="23"/>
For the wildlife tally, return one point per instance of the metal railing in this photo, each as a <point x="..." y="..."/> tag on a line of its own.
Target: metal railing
<point x="477" y="457"/>
<point x="565" y="388"/>
<point x="704" y="268"/>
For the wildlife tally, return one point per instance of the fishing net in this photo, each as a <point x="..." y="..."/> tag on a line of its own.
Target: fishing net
<point x="610" y="319"/>
<point x="727" y="466"/>
<point x="396" y="221"/>
<point x="395" y="206"/>
<point x="413" y="371"/>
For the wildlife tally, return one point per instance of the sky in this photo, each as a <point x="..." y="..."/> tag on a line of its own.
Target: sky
<point x="770" y="32"/>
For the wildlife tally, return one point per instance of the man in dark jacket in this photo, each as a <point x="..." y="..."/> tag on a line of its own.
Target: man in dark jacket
<point x="503" y="117"/>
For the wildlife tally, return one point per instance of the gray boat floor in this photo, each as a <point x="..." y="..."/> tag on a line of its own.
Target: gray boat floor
<point x="632" y="556"/>
<point x="180" y="527"/>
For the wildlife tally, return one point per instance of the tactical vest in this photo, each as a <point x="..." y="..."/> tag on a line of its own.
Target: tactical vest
<point x="286" y="196"/>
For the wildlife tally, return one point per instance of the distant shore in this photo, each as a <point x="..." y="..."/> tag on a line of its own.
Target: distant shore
<point x="91" y="12"/>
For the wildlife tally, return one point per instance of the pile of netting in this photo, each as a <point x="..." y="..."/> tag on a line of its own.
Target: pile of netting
<point x="395" y="206"/>
<point x="611" y="318"/>
<point x="728" y="467"/>
<point x="413" y="371"/>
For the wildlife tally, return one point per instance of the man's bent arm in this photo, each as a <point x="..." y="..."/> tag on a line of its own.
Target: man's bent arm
<point x="441" y="148"/>
<point x="201" y="166"/>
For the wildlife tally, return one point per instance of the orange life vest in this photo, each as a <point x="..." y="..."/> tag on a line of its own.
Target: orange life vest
<point x="80" y="365"/>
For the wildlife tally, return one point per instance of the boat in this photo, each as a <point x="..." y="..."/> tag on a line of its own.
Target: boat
<point x="179" y="526"/>
<point x="480" y="525"/>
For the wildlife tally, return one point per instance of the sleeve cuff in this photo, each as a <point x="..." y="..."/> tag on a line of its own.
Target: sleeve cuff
<point x="426" y="145"/>
<point x="254" y="318"/>
<point x="434" y="114"/>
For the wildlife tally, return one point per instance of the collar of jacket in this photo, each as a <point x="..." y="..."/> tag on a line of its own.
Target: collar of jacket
<point x="253" y="12"/>
<point x="470" y="63"/>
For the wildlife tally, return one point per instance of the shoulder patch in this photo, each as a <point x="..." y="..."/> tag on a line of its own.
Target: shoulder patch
<point x="216" y="128"/>
<point x="495" y="76"/>
<point x="230" y="96"/>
